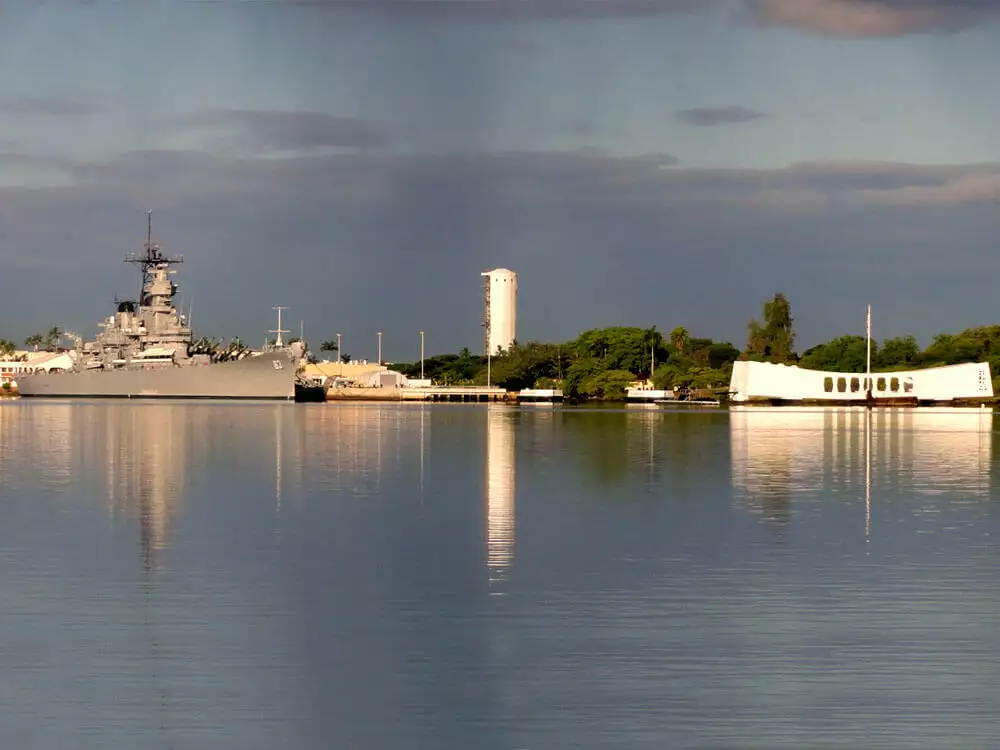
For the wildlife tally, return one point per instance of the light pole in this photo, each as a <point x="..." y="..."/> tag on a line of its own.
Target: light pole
<point x="421" y="355"/>
<point x="380" y="348"/>
<point x="340" y="357"/>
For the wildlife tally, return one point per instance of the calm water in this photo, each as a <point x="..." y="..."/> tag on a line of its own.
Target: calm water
<point x="326" y="576"/>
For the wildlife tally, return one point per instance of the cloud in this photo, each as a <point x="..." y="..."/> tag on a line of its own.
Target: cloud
<point x="35" y="161"/>
<point x="580" y="128"/>
<point x="873" y="18"/>
<point x="526" y="10"/>
<point x="36" y="105"/>
<point x="849" y="18"/>
<point x="262" y="130"/>
<point x="365" y="240"/>
<point x="718" y="115"/>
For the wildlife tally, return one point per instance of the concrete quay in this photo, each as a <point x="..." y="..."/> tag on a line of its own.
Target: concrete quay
<point x="432" y="393"/>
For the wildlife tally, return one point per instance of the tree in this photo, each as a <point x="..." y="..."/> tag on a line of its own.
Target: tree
<point x="843" y="354"/>
<point x="775" y="337"/>
<point x="899" y="353"/>
<point x="522" y="365"/>
<point x="7" y="348"/>
<point x="328" y="346"/>
<point x="52" y="338"/>
<point x="652" y="339"/>
<point x="34" y="340"/>
<point x="679" y="340"/>
<point x="610" y="384"/>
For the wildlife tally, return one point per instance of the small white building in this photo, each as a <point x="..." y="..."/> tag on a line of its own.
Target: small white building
<point x="384" y="378"/>
<point x="763" y="381"/>
<point x="29" y="362"/>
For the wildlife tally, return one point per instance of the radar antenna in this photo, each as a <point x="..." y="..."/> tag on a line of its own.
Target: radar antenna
<point x="152" y="256"/>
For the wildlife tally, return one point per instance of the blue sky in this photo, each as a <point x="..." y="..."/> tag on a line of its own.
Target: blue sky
<point x="664" y="162"/>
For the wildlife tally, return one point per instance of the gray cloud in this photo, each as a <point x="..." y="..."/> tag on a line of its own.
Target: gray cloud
<point x="35" y="161"/>
<point x="291" y="131"/>
<point x="718" y="115"/>
<point x="580" y="128"/>
<point x="873" y="18"/>
<point x="851" y="18"/>
<point x="38" y="105"/>
<point x="361" y="241"/>
<point x="524" y="10"/>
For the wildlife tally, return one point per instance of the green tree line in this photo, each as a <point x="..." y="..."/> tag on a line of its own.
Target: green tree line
<point x="601" y="363"/>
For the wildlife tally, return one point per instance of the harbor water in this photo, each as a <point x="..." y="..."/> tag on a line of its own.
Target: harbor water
<point x="422" y="576"/>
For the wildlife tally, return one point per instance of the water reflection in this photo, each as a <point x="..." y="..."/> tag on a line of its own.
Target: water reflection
<point x="780" y="453"/>
<point x="146" y="455"/>
<point x="500" y="490"/>
<point x="48" y="451"/>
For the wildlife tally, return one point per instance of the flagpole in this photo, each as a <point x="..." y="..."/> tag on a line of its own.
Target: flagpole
<point x="868" y="361"/>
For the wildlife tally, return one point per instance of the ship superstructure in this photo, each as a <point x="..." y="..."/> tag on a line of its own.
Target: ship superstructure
<point x="149" y="331"/>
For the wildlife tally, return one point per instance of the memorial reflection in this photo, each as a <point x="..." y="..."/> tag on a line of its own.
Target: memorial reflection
<point x="500" y="491"/>
<point x="778" y="453"/>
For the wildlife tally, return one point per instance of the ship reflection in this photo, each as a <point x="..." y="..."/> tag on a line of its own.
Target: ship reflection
<point x="146" y="448"/>
<point x="779" y="452"/>
<point x="500" y="489"/>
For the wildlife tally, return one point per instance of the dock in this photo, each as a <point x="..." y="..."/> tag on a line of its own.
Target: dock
<point x="458" y="393"/>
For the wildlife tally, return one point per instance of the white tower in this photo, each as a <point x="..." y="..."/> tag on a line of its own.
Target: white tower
<point x="500" y="300"/>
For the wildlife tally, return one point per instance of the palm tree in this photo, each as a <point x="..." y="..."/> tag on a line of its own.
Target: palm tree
<point x="679" y="339"/>
<point x="652" y="339"/>
<point x="328" y="346"/>
<point x="7" y="348"/>
<point x="52" y="338"/>
<point x="34" y="340"/>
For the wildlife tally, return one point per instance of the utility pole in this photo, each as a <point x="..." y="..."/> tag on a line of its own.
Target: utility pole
<point x="340" y="357"/>
<point x="421" y="355"/>
<point x="380" y="348"/>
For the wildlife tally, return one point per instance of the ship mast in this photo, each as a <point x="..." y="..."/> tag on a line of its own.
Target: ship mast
<point x="278" y="341"/>
<point x="151" y="258"/>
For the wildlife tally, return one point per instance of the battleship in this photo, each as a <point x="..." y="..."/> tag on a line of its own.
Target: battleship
<point x="147" y="350"/>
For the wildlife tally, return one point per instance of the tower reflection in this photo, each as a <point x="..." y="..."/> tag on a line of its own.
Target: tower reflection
<point x="500" y="491"/>
<point x="777" y="452"/>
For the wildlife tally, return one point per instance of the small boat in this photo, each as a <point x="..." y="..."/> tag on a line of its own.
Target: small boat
<point x="685" y="396"/>
<point x="539" y="396"/>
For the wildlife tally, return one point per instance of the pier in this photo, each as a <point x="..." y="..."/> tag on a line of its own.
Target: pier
<point x="458" y="393"/>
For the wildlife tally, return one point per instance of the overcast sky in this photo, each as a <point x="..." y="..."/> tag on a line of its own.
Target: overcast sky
<point x="670" y="162"/>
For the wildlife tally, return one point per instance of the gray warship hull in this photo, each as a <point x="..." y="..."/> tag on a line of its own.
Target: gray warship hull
<point x="270" y="375"/>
